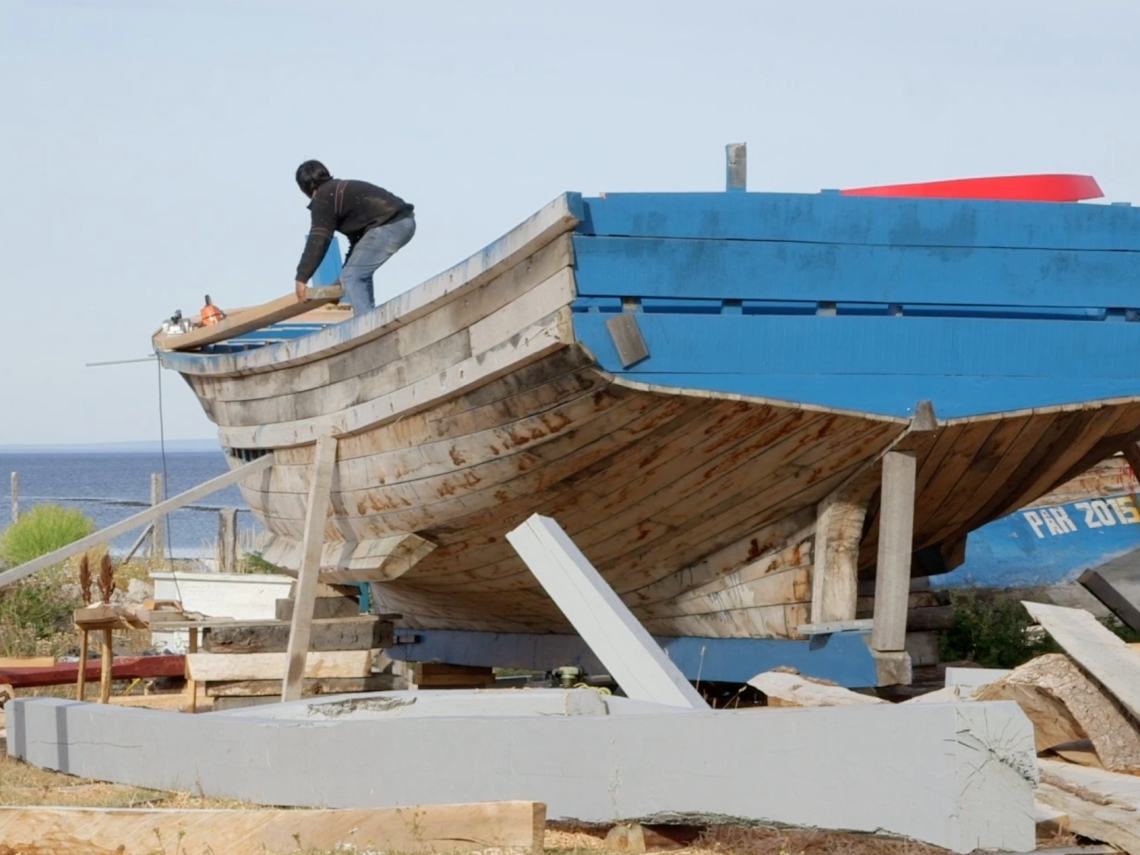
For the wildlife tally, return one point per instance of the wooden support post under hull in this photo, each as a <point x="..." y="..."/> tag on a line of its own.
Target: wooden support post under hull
<point x="603" y="621"/>
<point x="896" y="532"/>
<point x="301" y="626"/>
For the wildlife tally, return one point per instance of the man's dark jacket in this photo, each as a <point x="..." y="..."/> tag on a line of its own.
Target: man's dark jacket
<point x="352" y="208"/>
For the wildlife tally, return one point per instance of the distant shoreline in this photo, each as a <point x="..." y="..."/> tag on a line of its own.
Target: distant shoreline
<point x="173" y="446"/>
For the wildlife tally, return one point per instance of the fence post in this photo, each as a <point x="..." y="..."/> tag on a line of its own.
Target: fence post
<point x="227" y="540"/>
<point x="158" y="539"/>
<point x="15" y="496"/>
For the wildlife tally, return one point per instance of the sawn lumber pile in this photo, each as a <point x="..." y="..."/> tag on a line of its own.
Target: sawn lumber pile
<point x="1085" y="708"/>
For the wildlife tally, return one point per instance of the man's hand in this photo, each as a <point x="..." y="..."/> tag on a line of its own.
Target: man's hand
<point x="300" y="292"/>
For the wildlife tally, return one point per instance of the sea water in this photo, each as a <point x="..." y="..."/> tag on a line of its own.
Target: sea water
<point x="102" y="486"/>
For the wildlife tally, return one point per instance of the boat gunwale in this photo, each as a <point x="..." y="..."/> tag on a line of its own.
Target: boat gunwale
<point x="556" y="218"/>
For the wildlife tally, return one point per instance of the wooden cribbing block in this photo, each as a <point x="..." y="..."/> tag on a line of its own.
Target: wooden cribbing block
<point x="324" y="608"/>
<point x="271" y="666"/>
<point x="440" y="675"/>
<point x="357" y="633"/>
<point x="324" y="686"/>
<point x="432" y="828"/>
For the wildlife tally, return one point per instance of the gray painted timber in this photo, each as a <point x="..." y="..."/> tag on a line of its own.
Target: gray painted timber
<point x="959" y="776"/>
<point x="1117" y="585"/>
<point x="604" y="622"/>
<point x="896" y="534"/>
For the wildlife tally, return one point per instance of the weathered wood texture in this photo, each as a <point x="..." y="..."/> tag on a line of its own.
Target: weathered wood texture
<point x="1100" y="805"/>
<point x="513" y="826"/>
<point x="835" y="576"/>
<point x="305" y="589"/>
<point x="269" y="666"/>
<point x="227" y="540"/>
<point x="356" y="633"/>
<point x="794" y="690"/>
<point x="1097" y="650"/>
<point x="1066" y="706"/>
<point x="324" y="608"/>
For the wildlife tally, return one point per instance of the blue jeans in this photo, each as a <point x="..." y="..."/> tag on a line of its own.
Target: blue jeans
<point x="376" y="247"/>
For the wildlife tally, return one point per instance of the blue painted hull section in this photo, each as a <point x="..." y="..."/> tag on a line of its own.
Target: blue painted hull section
<point x="1047" y="545"/>
<point x="881" y="365"/>
<point x="844" y="657"/>
<point x="832" y="218"/>
<point x="867" y="304"/>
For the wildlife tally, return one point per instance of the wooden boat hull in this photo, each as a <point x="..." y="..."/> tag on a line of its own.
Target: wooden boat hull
<point x="691" y="476"/>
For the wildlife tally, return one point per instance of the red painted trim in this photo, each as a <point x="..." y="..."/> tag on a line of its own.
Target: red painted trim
<point x="124" y="667"/>
<point x="1019" y="188"/>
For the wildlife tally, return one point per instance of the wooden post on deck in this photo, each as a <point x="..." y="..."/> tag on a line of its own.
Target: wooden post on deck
<point x="15" y="496"/>
<point x="316" y="513"/>
<point x="896" y="533"/>
<point x="227" y="540"/>
<point x="158" y="539"/>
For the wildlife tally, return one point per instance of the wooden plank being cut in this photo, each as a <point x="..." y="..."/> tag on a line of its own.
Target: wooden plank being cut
<point x="271" y="666"/>
<point x="1101" y="653"/>
<point x="517" y="826"/>
<point x="247" y="320"/>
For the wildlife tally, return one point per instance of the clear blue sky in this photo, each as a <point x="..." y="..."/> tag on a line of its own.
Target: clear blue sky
<point x="149" y="147"/>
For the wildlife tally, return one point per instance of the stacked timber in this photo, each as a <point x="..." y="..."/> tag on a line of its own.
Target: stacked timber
<point x="1085" y="708"/>
<point x="242" y="663"/>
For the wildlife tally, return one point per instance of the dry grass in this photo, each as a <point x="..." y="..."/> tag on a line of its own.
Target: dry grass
<point x="739" y="840"/>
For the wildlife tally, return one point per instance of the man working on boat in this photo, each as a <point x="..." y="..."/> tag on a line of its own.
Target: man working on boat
<point x="376" y="223"/>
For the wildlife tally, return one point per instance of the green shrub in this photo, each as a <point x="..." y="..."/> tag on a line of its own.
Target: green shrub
<point x="42" y="529"/>
<point x="993" y="630"/>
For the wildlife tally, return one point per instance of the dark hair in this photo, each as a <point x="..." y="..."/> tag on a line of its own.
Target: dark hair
<point x="310" y="175"/>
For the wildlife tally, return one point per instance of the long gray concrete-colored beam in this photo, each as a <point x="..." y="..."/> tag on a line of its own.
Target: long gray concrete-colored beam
<point x="959" y="776"/>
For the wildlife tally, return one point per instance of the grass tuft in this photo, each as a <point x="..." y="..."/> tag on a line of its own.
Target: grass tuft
<point x="41" y="530"/>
